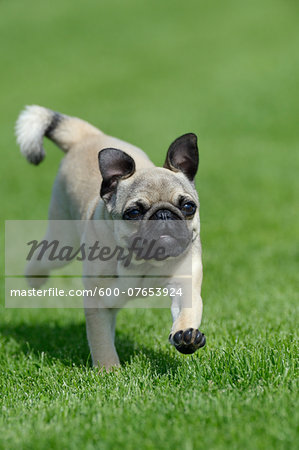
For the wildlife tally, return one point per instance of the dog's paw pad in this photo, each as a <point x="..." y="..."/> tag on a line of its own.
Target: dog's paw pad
<point x="188" y="341"/>
<point x="187" y="336"/>
<point x="178" y="337"/>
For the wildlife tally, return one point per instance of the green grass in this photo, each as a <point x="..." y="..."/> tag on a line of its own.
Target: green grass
<point x="148" y="72"/>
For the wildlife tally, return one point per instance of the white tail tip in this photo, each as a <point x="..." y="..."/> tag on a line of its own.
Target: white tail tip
<point x="30" y="129"/>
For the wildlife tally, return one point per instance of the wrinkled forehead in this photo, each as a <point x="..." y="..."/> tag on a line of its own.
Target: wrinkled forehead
<point x="158" y="185"/>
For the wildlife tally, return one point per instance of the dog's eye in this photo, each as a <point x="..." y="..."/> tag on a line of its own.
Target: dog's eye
<point x="188" y="209"/>
<point x="132" y="214"/>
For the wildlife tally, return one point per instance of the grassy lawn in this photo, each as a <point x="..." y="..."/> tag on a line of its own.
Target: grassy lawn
<point x="148" y="72"/>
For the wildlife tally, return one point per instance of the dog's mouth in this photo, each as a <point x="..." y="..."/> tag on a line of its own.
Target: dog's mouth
<point x="160" y="239"/>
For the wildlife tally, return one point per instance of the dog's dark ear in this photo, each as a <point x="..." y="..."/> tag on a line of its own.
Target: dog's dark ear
<point x="114" y="165"/>
<point x="182" y="156"/>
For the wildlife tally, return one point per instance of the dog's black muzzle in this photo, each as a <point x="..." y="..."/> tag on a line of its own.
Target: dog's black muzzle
<point x="164" y="234"/>
<point x="164" y="214"/>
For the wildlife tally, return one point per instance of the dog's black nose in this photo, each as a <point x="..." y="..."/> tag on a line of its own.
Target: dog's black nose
<point x="164" y="214"/>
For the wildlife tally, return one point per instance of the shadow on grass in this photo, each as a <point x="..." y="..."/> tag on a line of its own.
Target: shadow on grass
<point x="68" y="344"/>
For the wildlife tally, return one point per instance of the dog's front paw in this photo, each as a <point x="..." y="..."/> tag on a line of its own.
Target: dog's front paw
<point x="187" y="341"/>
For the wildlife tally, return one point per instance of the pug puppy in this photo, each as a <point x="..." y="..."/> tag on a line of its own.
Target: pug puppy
<point x="102" y="178"/>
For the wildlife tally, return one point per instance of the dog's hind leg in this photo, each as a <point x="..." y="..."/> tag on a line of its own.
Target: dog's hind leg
<point x="47" y="254"/>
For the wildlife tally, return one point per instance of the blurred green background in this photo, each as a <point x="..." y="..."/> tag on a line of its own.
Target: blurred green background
<point x="147" y="72"/>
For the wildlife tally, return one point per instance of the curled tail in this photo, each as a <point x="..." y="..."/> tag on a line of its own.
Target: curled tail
<point x="35" y="122"/>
